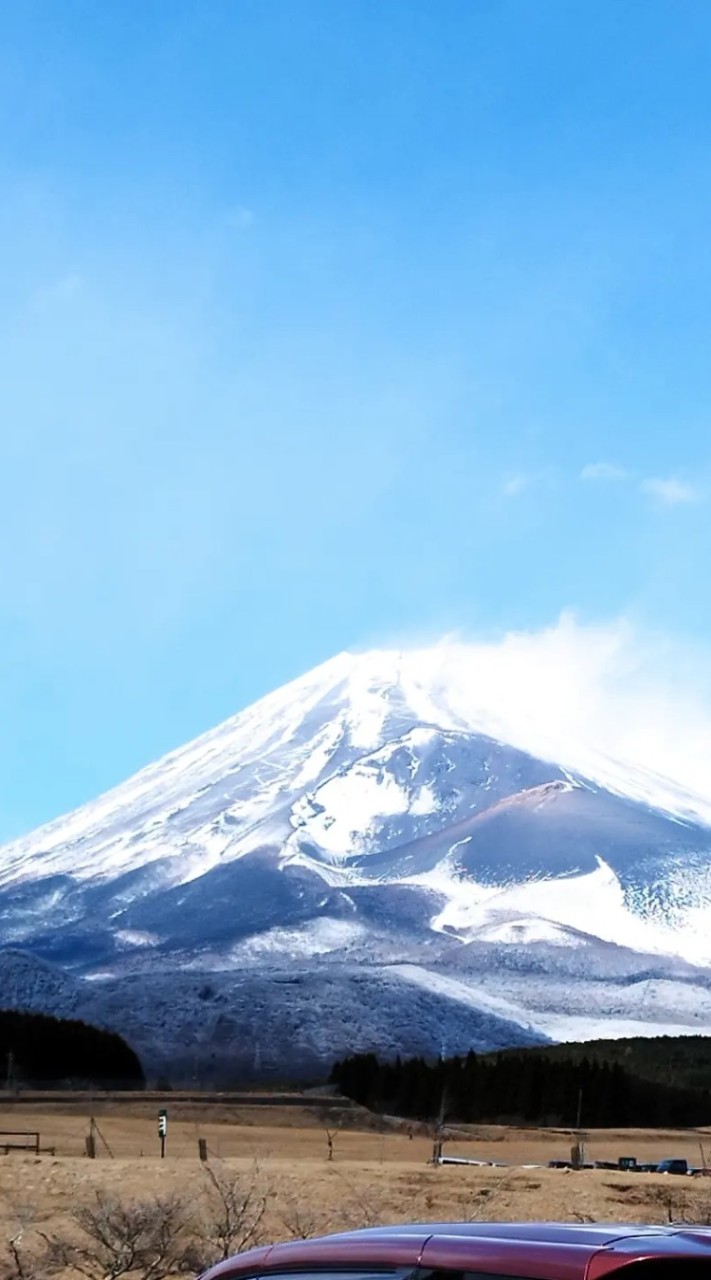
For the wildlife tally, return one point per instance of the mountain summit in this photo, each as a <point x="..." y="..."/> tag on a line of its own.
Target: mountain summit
<point x="386" y="816"/>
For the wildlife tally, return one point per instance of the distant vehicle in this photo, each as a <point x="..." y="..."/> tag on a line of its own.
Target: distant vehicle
<point x="673" y="1166"/>
<point x="463" y="1160"/>
<point x="479" y="1251"/>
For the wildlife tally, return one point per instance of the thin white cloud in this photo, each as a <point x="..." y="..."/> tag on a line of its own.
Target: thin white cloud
<point x="665" y="491"/>
<point x="670" y="492"/>
<point x="239" y="217"/>
<point x="57" y="293"/>
<point x="514" y="485"/>
<point x="603" y="471"/>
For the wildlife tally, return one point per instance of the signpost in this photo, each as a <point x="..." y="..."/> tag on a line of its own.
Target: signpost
<point x="162" y="1131"/>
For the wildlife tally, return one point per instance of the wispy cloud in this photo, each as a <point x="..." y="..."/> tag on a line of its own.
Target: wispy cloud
<point x="603" y="471"/>
<point x="665" y="491"/>
<point x="239" y="217"/>
<point x="57" y="293"/>
<point x="670" y="492"/>
<point x="514" y="485"/>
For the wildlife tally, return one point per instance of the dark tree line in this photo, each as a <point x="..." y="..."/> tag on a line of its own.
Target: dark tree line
<point x="512" y="1088"/>
<point x="36" y="1049"/>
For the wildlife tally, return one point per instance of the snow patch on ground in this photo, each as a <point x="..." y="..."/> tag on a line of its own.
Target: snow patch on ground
<point x="344" y="810"/>
<point x="136" y="938"/>
<point x="520" y="932"/>
<point x="475" y="997"/>
<point x="344" y="815"/>
<point x="317" y="938"/>
<point x="659" y="1020"/>
<point x="594" y="903"/>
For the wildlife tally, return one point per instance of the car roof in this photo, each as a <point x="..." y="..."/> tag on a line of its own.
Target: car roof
<point x="527" y="1249"/>
<point x="553" y="1232"/>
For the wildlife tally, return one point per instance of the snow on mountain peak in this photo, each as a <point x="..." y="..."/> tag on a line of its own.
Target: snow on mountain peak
<point x="277" y="752"/>
<point x="406" y="812"/>
<point x="547" y="704"/>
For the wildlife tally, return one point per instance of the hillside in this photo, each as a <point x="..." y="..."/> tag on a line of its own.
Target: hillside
<point x="40" y="1050"/>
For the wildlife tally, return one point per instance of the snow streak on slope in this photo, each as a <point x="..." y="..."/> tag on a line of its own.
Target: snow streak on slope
<point x="231" y="771"/>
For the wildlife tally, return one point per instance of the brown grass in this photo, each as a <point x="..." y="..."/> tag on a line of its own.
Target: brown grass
<point x="373" y="1176"/>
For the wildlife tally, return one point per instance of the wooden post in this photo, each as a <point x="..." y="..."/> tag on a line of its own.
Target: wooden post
<point x="91" y="1138"/>
<point x="202" y="1149"/>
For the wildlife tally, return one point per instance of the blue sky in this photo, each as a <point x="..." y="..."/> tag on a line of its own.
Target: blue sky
<point x="328" y="324"/>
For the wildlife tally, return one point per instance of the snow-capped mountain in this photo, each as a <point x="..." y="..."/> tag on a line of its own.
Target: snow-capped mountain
<point x="368" y="815"/>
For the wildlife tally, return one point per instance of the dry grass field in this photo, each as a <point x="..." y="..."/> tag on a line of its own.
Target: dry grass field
<point x="281" y="1154"/>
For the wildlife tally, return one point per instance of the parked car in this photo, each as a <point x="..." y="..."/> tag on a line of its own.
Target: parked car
<point x="479" y="1251"/>
<point x="673" y="1166"/>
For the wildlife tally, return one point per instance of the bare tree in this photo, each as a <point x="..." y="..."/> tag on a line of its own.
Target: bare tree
<point x="148" y="1239"/>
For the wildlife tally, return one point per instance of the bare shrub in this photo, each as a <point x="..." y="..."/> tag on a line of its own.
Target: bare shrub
<point x="17" y="1263"/>
<point x="302" y="1218"/>
<point x="148" y="1239"/>
<point x="300" y="1221"/>
<point x="21" y="1256"/>
<point x="486" y="1197"/>
<point x="696" y="1212"/>
<point x="359" y="1209"/>
<point x="231" y="1216"/>
<point x="662" y="1202"/>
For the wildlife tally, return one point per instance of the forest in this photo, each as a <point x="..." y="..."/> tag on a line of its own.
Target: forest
<point x="566" y="1088"/>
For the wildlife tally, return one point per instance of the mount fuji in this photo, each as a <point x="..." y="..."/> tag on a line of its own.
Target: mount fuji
<point x="384" y="854"/>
